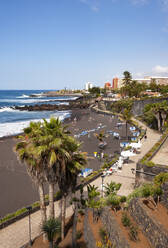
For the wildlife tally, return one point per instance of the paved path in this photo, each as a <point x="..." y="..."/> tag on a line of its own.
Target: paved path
<point x="16" y="235"/>
<point x="125" y="176"/>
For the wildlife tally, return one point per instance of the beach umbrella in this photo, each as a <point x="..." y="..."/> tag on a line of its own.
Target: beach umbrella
<point x="127" y="154"/>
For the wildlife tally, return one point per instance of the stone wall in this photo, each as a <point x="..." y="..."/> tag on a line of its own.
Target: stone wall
<point x="88" y="235"/>
<point x="138" y="105"/>
<point x="164" y="197"/>
<point x="113" y="230"/>
<point x="155" y="170"/>
<point x="154" y="231"/>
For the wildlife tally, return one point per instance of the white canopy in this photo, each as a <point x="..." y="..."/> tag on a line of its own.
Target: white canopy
<point x="127" y="154"/>
<point x="136" y="145"/>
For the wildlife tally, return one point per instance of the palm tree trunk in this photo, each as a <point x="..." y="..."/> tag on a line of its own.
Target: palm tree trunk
<point x="51" y="244"/>
<point x="42" y="207"/>
<point x="51" y="200"/>
<point x="42" y="203"/>
<point x="126" y="129"/>
<point x="63" y="207"/>
<point x="64" y="211"/>
<point x="75" y="219"/>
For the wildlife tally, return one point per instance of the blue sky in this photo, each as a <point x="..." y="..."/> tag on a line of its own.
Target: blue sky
<point x="53" y="44"/>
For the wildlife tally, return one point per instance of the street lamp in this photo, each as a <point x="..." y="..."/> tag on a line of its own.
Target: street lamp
<point x="102" y="176"/>
<point x="29" y="208"/>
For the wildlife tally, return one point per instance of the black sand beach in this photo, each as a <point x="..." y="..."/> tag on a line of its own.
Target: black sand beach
<point x="16" y="188"/>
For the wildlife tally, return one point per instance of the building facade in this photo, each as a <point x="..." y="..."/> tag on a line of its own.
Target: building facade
<point x="115" y="83"/>
<point x="88" y="86"/>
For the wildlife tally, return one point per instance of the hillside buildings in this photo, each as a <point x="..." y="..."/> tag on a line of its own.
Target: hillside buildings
<point x="117" y="82"/>
<point x="150" y="79"/>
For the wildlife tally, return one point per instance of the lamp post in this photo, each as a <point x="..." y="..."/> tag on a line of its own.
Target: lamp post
<point x="102" y="176"/>
<point x="29" y="208"/>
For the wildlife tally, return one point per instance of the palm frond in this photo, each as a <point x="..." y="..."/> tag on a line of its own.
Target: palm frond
<point x="53" y="159"/>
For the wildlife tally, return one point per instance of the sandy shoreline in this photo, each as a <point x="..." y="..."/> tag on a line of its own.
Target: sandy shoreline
<point x="16" y="188"/>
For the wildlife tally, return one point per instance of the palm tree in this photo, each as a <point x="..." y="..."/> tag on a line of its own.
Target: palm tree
<point x="160" y="110"/>
<point x="51" y="227"/>
<point x="112" y="188"/>
<point x="27" y="153"/>
<point x="92" y="191"/>
<point x="127" y="78"/>
<point x="51" y="152"/>
<point x="126" y="115"/>
<point x="67" y="172"/>
<point x="56" y="154"/>
<point x="62" y="162"/>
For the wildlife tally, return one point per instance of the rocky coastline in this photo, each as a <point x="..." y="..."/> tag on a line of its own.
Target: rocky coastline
<point x="79" y="103"/>
<point x="51" y="107"/>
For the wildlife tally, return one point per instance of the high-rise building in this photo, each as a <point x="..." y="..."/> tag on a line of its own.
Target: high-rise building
<point x="88" y="86"/>
<point x="115" y="83"/>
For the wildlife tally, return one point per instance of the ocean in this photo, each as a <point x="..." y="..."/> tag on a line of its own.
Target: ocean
<point x="13" y="121"/>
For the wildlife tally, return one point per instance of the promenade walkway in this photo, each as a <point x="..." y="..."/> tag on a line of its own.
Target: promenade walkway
<point x="16" y="235"/>
<point x="125" y="176"/>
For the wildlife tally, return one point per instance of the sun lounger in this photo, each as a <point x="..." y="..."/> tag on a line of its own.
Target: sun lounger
<point x="116" y="135"/>
<point x="132" y="128"/>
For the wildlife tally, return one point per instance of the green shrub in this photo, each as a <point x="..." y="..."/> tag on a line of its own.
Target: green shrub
<point x="125" y="219"/>
<point x="133" y="233"/>
<point x="20" y="211"/>
<point x="102" y="233"/>
<point x="113" y="201"/>
<point x="81" y="212"/>
<point x="149" y="163"/>
<point x="78" y="234"/>
<point x="161" y="178"/>
<point x="12" y="215"/>
<point x="146" y="190"/>
<point x="123" y="198"/>
<point x="35" y="204"/>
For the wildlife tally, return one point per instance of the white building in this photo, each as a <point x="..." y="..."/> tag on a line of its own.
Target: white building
<point x="158" y="80"/>
<point x="143" y="80"/>
<point x="120" y="82"/>
<point x="88" y="86"/>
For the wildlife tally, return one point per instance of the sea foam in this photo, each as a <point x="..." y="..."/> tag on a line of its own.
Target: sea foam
<point x="14" y="128"/>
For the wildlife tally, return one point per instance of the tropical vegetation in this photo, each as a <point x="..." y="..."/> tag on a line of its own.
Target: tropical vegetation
<point x="51" y="227"/>
<point x="155" y="114"/>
